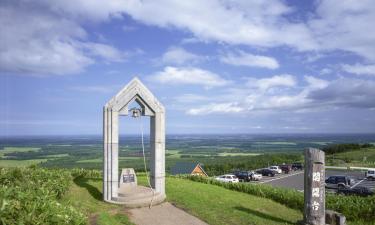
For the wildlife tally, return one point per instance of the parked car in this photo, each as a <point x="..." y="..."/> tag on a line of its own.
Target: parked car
<point x="297" y="166"/>
<point x="339" y="181"/>
<point x="361" y="191"/>
<point x="276" y="169"/>
<point x="229" y="178"/>
<point x="370" y="174"/>
<point x="286" y="168"/>
<point x="243" y="176"/>
<point x="256" y="176"/>
<point x="266" y="172"/>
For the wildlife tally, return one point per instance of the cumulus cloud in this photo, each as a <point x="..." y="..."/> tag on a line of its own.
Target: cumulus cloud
<point x="221" y="108"/>
<point x="344" y="92"/>
<point x="235" y="22"/>
<point x="344" y="25"/>
<point x="333" y="24"/>
<point x="242" y="58"/>
<point x="179" y="56"/>
<point x="284" y="80"/>
<point x="188" y="75"/>
<point x="313" y="95"/>
<point x="359" y="69"/>
<point x="47" y="38"/>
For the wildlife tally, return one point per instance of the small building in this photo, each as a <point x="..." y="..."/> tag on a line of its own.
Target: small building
<point x="188" y="168"/>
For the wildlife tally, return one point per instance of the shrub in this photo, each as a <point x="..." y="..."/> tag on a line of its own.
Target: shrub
<point x="353" y="207"/>
<point x="30" y="196"/>
<point x="85" y="173"/>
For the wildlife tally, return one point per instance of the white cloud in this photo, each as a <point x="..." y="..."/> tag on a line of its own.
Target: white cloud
<point x="344" y="25"/>
<point x="179" y="56"/>
<point x="189" y="75"/>
<point x="359" y="69"/>
<point x="326" y="71"/>
<point x="235" y="22"/>
<point x="316" y="83"/>
<point x="216" y="108"/>
<point x="332" y="24"/>
<point x="284" y="80"/>
<point x="242" y="58"/>
<point x="316" y="95"/>
<point x="47" y="38"/>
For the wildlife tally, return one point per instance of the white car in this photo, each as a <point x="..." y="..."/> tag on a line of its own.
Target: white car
<point x="370" y="174"/>
<point x="256" y="176"/>
<point x="229" y="178"/>
<point x="276" y="169"/>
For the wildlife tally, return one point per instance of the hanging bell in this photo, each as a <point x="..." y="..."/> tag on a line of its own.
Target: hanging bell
<point x="135" y="112"/>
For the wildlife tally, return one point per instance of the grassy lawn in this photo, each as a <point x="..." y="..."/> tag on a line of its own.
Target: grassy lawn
<point x="86" y="195"/>
<point x="216" y="205"/>
<point x="210" y="203"/>
<point x="213" y="204"/>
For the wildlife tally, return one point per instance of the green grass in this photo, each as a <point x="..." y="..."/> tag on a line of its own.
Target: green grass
<point x="217" y="205"/>
<point x="86" y="195"/>
<point x="211" y="203"/>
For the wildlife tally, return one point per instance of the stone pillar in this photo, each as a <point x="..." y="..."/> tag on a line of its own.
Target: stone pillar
<point x="314" y="190"/>
<point x="157" y="144"/>
<point x="110" y="165"/>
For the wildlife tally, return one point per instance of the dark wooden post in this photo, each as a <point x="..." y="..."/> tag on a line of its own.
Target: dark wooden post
<point x="314" y="190"/>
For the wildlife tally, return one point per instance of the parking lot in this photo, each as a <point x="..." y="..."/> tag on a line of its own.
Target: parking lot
<point x="295" y="179"/>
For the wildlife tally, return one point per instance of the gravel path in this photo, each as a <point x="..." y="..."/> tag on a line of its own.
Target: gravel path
<point x="163" y="214"/>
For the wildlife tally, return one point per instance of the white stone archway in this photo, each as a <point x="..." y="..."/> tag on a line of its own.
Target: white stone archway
<point x="135" y="90"/>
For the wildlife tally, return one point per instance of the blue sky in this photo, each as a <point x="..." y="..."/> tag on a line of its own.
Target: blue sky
<point x="218" y="66"/>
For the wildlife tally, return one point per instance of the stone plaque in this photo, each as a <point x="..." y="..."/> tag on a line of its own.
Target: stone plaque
<point x="128" y="178"/>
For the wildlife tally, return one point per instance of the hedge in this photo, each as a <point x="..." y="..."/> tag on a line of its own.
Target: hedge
<point x="353" y="207"/>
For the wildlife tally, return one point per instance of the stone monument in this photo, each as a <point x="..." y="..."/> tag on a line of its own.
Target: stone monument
<point x="314" y="189"/>
<point x="135" y="196"/>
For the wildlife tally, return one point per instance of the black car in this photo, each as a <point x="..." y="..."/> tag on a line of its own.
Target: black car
<point x="360" y="191"/>
<point x="243" y="175"/>
<point x="297" y="166"/>
<point x="266" y="172"/>
<point x="339" y="181"/>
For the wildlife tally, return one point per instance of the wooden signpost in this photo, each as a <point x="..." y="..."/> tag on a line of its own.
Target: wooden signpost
<point x="314" y="190"/>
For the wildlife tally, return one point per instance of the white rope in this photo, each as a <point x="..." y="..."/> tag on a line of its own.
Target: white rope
<point x="144" y="162"/>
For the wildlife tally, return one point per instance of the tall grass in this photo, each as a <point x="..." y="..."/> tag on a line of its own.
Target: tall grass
<point x="31" y="196"/>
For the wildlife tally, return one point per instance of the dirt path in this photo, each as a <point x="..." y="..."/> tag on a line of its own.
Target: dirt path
<point x="163" y="214"/>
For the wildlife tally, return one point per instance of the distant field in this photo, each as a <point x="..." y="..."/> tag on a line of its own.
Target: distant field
<point x="20" y="163"/>
<point x="276" y="143"/>
<point x="237" y="154"/>
<point x="17" y="149"/>
<point x="361" y="158"/>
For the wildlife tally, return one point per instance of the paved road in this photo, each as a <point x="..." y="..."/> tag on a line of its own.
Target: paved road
<point x="165" y="213"/>
<point x="295" y="179"/>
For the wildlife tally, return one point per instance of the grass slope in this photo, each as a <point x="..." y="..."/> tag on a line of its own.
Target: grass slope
<point x="217" y="205"/>
<point x="213" y="204"/>
<point x="86" y="195"/>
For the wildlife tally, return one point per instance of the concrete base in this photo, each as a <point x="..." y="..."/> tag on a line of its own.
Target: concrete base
<point x="139" y="196"/>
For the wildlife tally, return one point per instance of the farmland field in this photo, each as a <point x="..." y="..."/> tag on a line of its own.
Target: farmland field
<point x="214" y="151"/>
